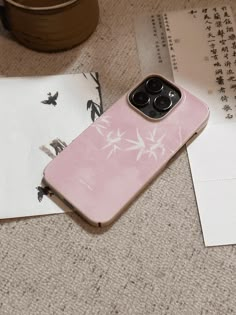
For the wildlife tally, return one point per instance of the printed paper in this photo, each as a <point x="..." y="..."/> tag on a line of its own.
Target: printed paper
<point x="39" y="117"/>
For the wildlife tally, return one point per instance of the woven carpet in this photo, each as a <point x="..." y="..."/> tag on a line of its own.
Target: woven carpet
<point x="152" y="260"/>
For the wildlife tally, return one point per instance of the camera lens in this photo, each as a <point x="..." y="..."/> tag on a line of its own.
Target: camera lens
<point x="140" y="99"/>
<point x="154" y="85"/>
<point x="162" y="103"/>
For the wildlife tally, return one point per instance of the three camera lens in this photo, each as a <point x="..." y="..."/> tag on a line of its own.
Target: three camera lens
<point x="154" y="97"/>
<point x="141" y="99"/>
<point x="162" y="103"/>
<point x="154" y="85"/>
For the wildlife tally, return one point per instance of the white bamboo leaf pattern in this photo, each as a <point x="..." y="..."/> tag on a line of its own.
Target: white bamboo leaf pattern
<point x="112" y="140"/>
<point x="105" y="119"/>
<point x="113" y="151"/>
<point x="152" y="135"/>
<point x="137" y="145"/>
<point x="150" y="147"/>
<point x="101" y="124"/>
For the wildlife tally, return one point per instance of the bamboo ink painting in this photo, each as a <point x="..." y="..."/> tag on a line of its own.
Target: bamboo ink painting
<point x="53" y="111"/>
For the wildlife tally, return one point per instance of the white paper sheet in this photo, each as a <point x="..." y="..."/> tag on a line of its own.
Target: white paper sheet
<point x="152" y="45"/>
<point x="202" y="54"/>
<point x="32" y="132"/>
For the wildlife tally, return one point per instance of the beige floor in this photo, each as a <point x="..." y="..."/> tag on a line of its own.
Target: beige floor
<point x="152" y="261"/>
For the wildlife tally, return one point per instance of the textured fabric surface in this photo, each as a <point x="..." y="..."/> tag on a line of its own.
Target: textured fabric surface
<point x="152" y="260"/>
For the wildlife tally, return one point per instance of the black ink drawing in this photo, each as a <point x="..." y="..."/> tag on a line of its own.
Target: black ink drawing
<point x="43" y="191"/>
<point x="96" y="109"/>
<point x="47" y="151"/>
<point x="58" y="146"/>
<point x="51" y="99"/>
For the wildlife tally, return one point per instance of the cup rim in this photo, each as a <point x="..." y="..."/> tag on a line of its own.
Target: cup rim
<point x="26" y="7"/>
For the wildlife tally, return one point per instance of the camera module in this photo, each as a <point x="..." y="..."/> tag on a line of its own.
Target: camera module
<point x="154" y="85"/>
<point x="154" y="97"/>
<point x="140" y="99"/>
<point x="162" y="103"/>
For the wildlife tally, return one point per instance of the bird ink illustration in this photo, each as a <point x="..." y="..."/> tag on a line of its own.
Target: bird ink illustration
<point x="43" y="191"/>
<point x="51" y="99"/>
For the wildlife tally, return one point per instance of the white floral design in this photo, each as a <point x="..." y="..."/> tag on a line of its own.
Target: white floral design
<point x="150" y="147"/>
<point x="105" y="119"/>
<point x="157" y="145"/>
<point x="138" y="144"/>
<point x="152" y="135"/>
<point x="113" y="139"/>
<point x="101" y="124"/>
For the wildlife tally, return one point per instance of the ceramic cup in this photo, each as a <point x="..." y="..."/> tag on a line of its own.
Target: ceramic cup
<point x="50" y="25"/>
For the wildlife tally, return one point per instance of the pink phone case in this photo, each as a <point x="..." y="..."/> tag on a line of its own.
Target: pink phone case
<point x="113" y="160"/>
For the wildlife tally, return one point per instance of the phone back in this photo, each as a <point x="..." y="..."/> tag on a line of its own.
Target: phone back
<point x="105" y="167"/>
